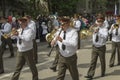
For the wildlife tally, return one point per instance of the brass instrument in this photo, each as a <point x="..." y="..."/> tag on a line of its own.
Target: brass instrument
<point x="10" y="34"/>
<point x="72" y="24"/>
<point x="85" y="33"/>
<point x="116" y="26"/>
<point x="49" y="37"/>
<point x="53" y="46"/>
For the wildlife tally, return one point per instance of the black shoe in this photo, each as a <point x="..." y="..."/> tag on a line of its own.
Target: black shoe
<point x="89" y="77"/>
<point x="11" y="56"/>
<point x="111" y="65"/>
<point x="1" y="72"/>
<point x="118" y="64"/>
<point x="48" y="46"/>
<point x="53" y="68"/>
<point x="102" y="75"/>
<point x="36" y="61"/>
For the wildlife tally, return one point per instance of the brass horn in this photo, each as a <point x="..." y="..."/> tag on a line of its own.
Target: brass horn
<point x="49" y="37"/>
<point x="9" y="34"/>
<point x="116" y="26"/>
<point x="85" y="33"/>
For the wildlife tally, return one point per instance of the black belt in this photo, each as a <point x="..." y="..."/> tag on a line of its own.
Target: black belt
<point x="99" y="47"/>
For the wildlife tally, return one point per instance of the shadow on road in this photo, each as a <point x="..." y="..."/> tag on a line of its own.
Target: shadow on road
<point x="67" y="77"/>
<point x="114" y="73"/>
<point x="87" y="65"/>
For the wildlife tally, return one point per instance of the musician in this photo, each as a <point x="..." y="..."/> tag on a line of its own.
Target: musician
<point x="115" y="31"/>
<point x="55" y="25"/>
<point x="67" y="43"/>
<point x="77" y="26"/>
<point x="105" y="21"/>
<point x="6" y="29"/>
<point x="32" y="25"/>
<point x="98" y="50"/>
<point x="25" y="36"/>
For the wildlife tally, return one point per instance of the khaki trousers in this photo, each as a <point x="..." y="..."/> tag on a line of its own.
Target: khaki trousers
<point x="115" y="46"/>
<point x="23" y="57"/>
<point x="35" y="55"/>
<point x="55" y="62"/>
<point x="69" y="63"/>
<point x="97" y="52"/>
<point x="2" y="49"/>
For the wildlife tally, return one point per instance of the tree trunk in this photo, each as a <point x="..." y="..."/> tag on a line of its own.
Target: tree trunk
<point x="34" y="4"/>
<point x="3" y="7"/>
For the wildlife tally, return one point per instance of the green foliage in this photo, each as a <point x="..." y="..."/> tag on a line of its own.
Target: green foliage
<point x="64" y="7"/>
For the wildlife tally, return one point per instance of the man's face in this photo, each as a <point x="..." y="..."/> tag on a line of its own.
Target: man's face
<point x="100" y="22"/>
<point x="65" y="26"/>
<point x="24" y="24"/>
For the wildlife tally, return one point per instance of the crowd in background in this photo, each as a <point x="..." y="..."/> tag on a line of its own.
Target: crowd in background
<point x="44" y="24"/>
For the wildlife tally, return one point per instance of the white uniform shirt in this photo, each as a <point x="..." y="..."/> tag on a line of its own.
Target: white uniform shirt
<point x="27" y="39"/>
<point x="102" y="37"/>
<point x="77" y="24"/>
<point x="7" y="28"/>
<point x="32" y="25"/>
<point x="70" y="42"/>
<point x="55" y="24"/>
<point x="44" y="27"/>
<point x="115" y="38"/>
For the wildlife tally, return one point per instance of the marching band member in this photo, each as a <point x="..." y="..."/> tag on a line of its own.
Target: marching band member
<point x="77" y="26"/>
<point x="25" y="37"/>
<point x="56" y="26"/>
<point x="115" y="31"/>
<point x="6" y="29"/>
<point x="98" y="50"/>
<point x="32" y="25"/>
<point x="67" y="43"/>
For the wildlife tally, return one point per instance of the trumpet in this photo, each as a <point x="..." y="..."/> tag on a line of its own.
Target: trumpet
<point x="10" y="34"/>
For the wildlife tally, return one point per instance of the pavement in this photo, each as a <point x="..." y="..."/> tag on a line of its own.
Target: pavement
<point x="84" y="58"/>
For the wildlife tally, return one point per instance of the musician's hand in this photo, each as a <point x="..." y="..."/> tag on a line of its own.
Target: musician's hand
<point x="53" y="42"/>
<point x="15" y="34"/>
<point x="112" y="27"/>
<point x="96" y="30"/>
<point x="59" y="39"/>
<point x="13" y="29"/>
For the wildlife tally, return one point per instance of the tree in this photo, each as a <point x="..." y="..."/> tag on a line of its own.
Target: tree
<point x="11" y="6"/>
<point x="64" y="7"/>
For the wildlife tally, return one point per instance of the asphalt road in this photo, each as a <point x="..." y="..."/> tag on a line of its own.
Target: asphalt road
<point x="84" y="57"/>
